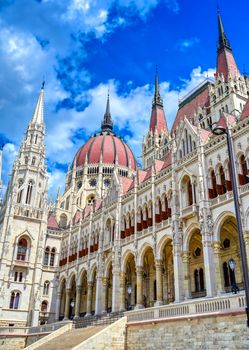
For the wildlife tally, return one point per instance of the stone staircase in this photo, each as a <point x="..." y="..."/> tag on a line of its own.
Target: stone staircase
<point x="96" y="320"/>
<point x="71" y="338"/>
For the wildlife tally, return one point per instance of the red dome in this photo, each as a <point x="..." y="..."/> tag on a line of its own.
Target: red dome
<point x="110" y="146"/>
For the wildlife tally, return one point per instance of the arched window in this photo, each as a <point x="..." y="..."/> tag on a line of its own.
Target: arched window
<point x="29" y="192"/>
<point x="46" y="256"/>
<point x="201" y="275"/>
<point x="26" y="160"/>
<point x="44" y="306"/>
<point x="243" y="177"/>
<point x="46" y="288"/>
<point x="222" y="187"/>
<point x="190" y="193"/>
<point x="212" y="190"/>
<point x="52" y="257"/>
<point x="33" y="161"/>
<point x="14" y="300"/>
<point x="22" y="249"/>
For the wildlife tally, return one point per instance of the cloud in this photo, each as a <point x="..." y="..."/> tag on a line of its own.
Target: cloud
<point x="186" y="44"/>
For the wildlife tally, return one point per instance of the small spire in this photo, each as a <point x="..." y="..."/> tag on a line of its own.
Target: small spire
<point x="107" y="123"/>
<point x="223" y="41"/>
<point x="39" y="109"/>
<point x="157" y="101"/>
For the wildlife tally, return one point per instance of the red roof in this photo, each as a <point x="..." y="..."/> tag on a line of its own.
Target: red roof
<point x="157" y="120"/>
<point x="167" y="160"/>
<point x="245" y="112"/>
<point x="222" y="122"/>
<point x="77" y="217"/>
<point x="52" y="222"/>
<point x="226" y="64"/>
<point x="189" y="108"/>
<point x="126" y="183"/>
<point x="205" y="134"/>
<point x="141" y="175"/>
<point x="158" y="165"/>
<point x="109" y="146"/>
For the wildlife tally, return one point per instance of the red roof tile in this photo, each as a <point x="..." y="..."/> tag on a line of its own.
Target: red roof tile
<point x="157" y="120"/>
<point x="52" y="222"/>
<point x="168" y="160"/>
<point x="226" y="64"/>
<point x="126" y="183"/>
<point x="245" y="112"/>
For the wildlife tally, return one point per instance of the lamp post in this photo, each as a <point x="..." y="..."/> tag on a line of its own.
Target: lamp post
<point x="220" y="130"/>
<point x="232" y="265"/>
<point x="129" y="291"/>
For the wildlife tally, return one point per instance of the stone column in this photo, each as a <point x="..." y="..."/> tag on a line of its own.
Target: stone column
<point x="209" y="267"/>
<point x="77" y="302"/>
<point x="159" y="284"/>
<point x="115" y="291"/>
<point x="89" y="298"/>
<point x="186" y="275"/>
<point x="139" y="270"/>
<point x="246" y="240"/>
<point x="99" y="294"/>
<point x="58" y="305"/>
<point x="67" y="304"/>
<point x="218" y="267"/>
<point x="122" y="291"/>
<point x="178" y="272"/>
<point x="104" y="294"/>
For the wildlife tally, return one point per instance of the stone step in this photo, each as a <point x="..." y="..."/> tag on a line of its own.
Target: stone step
<point x="71" y="338"/>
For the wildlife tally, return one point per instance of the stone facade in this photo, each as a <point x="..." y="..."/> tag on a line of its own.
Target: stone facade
<point x="146" y="236"/>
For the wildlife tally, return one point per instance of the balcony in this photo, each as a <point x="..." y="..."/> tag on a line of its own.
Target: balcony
<point x="21" y="263"/>
<point x="189" y="212"/>
<point x="26" y="211"/>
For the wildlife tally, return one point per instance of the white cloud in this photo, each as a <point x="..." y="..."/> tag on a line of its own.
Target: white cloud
<point x="187" y="43"/>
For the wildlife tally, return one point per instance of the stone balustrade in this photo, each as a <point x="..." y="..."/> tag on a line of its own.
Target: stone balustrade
<point x="228" y="302"/>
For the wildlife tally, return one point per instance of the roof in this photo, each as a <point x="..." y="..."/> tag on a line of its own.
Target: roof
<point x="107" y="146"/>
<point x="245" y="112"/>
<point x="158" y="120"/>
<point x="205" y="134"/>
<point x="222" y="122"/>
<point x="187" y="108"/>
<point x="126" y="183"/>
<point x="226" y="64"/>
<point x="52" y="222"/>
<point x="168" y="160"/>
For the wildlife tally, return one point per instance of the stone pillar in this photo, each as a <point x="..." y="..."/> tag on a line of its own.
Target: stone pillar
<point x="99" y="295"/>
<point x="218" y="267"/>
<point x="67" y="304"/>
<point x="209" y="267"/>
<point x="115" y="291"/>
<point x="77" y="302"/>
<point x="122" y="291"/>
<point x="139" y="271"/>
<point x="89" y="298"/>
<point x="104" y="294"/>
<point x="159" y="284"/>
<point x="186" y="275"/>
<point x="246" y="240"/>
<point x="58" y="305"/>
<point x="178" y="272"/>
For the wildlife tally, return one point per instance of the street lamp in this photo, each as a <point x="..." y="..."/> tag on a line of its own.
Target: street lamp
<point x="232" y="265"/>
<point x="221" y="130"/>
<point x="129" y="291"/>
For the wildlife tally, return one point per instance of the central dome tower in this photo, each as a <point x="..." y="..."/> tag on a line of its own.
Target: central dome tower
<point x="93" y="167"/>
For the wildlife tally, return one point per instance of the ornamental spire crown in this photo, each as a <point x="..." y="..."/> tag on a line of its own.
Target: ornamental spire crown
<point x="107" y="124"/>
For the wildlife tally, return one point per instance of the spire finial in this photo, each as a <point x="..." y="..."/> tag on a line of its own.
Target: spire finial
<point x="38" y="113"/>
<point x="107" y="123"/>
<point x="223" y="42"/>
<point x="43" y="83"/>
<point x="157" y="101"/>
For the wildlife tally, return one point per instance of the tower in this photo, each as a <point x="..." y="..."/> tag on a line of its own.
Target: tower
<point x="155" y="142"/>
<point x="231" y="88"/>
<point x="23" y="222"/>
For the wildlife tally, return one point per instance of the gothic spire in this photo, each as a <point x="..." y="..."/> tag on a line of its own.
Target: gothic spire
<point x="223" y="42"/>
<point x="157" y="101"/>
<point x="107" y="123"/>
<point x="39" y="109"/>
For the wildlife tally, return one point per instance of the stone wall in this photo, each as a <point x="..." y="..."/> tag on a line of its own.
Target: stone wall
<point x="110" y="338"/>
<point x="12" y="343"/>
<point x="227" y="331"/>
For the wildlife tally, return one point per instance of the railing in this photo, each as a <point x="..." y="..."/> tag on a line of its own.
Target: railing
<point x="243" y="189"/>
<point x="94" y="320"/>
<point x="189" y="211"/>
<point x="28" y="212"/>
<point x="189" y="308"/>
<point x="13" y="331"/>
<point x="47" y="328"/>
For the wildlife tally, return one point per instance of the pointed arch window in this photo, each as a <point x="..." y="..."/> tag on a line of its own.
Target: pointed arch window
<point x="14" y="300"/>
<point x="46" y="256"/>
<point x="22" y="249"/>
<point x="190" y="193"/>
<point x="212" y="191"/>
<point x="243" y="177"/>
<point x="46" y="288"/>
<point x="33" y="161"/>
<point x="29" y="192"/>
<point x="52" y="257"/>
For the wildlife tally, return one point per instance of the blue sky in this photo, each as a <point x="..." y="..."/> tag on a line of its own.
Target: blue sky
<point x="82" y="47"/>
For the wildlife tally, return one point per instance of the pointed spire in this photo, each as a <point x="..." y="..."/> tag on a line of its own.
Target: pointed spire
<point x="107" y="123"/>
<point x="157" y="101"/>
<point x="39" y="109"/>
<point x="223" y="41"/>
